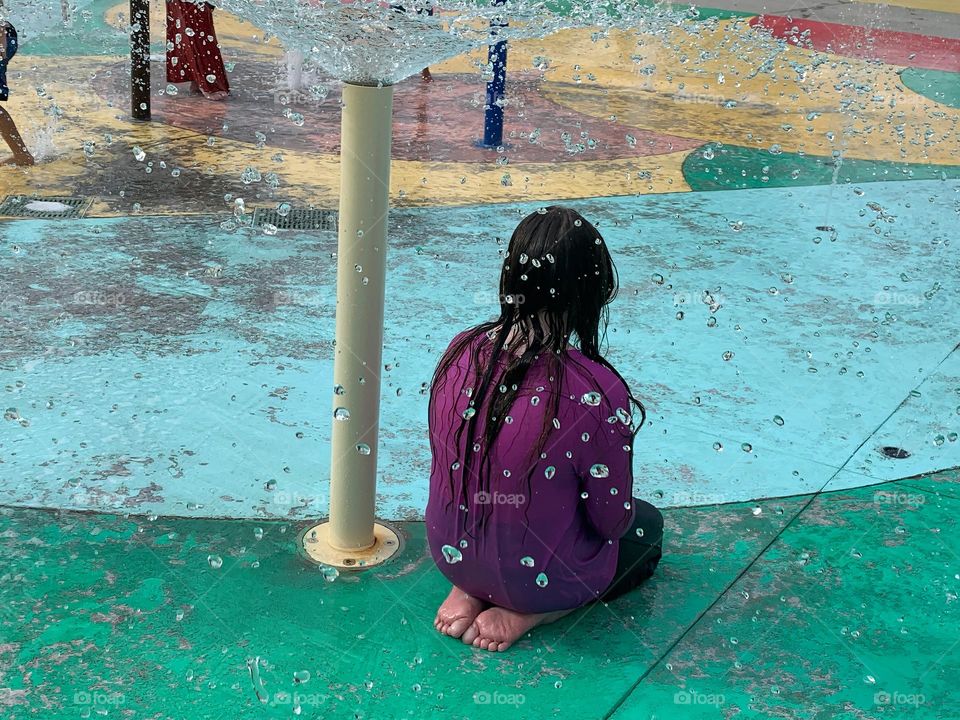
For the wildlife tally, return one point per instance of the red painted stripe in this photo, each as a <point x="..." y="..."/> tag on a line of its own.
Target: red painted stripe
<point x="889" y="46"/>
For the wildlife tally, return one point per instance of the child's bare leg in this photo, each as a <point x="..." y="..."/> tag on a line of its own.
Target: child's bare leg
<point x="21" y="156"/>
<point x="458" y="612"/>
<point x="497" y="629"/>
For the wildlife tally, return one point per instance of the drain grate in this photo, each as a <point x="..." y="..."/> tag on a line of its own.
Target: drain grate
<point x="38" y="206"/>
<point x="296" y="219"/>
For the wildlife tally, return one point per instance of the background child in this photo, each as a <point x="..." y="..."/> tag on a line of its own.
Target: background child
<point x="531" y="513"/>
<point x="8" y="129"/>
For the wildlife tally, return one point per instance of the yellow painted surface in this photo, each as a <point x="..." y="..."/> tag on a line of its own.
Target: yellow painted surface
<point x="687" y="99"/>
<point x="950" y="6"/>
<point x="684" y="99"/>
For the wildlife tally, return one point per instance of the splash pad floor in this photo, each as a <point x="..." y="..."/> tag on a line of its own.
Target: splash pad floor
<point x="152" y="353"/>
<point x="841" y="605"/>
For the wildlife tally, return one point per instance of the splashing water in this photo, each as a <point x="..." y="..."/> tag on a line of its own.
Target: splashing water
<point x="367" y="42"/>
<point x="451" y="554"/>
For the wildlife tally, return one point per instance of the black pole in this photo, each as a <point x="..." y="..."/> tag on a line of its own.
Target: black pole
<point x="140" y="59"/>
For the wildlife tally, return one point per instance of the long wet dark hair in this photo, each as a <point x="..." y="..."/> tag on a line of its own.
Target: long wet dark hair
<point x="557" y="280"/>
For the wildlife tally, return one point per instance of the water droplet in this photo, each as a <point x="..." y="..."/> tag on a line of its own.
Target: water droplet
<point x="591" y="398"/>
<point x="535" y="400"/>
<point x="451" y="554"/>
<point x="756" y="511"/>
<point x="258" y="533"/>
<point x="526" y="561"/>
<point x="718" y="447"/>
<point x="338" y="390"/>
<point x="778" y="420"/>
<point x="584" y="495"/>
<point x="640" y="532"/>
<point x="585" y="437"/>
<point x="599" y="470"/>
<point x="341" y="414"/>
<point x="469" y="413"/>
<point x="270" y="485"/>
<point x="215" y="561"/>
<point x="727" y="355"/>
<point x="301" y="676"/>
<point x="363" y="448"/>
<point x="329" y="573"/>
<point x="542" y="580"/>
<point x="550" y="472"/>
<point x="613" y="491"/>
<point x="746" y="447"/>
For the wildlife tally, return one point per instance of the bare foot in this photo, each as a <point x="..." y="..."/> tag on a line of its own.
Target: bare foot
<point x="458" y="612"/>
<point x="497" y="629"/>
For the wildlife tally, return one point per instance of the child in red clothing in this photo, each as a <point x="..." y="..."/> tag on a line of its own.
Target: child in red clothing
<point x="193" y="53"/>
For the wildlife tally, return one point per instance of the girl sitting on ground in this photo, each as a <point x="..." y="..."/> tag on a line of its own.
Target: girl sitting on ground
<point x="531" y="514"/>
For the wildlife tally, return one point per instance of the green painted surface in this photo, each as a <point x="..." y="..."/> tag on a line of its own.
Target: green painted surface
<point x="688" y="10"/>
<point x="128" y="616"/>
<point x="731" y="167"/>
<point x="852" y="613"/>
<point x="938" y="85"/>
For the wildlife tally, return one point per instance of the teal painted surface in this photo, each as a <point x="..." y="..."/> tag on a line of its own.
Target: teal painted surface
<point x="42" y="31"/>
<point x="129" y="617"/>
<point x="172" y="367"/>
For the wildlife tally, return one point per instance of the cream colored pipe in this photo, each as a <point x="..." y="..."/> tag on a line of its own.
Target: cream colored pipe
<point x="361" y="273"/>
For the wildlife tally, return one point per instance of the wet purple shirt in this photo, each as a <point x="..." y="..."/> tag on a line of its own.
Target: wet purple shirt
<point x="578" y="503"/>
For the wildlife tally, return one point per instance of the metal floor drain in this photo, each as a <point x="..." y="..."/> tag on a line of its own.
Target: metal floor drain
<point x="296" y="219"/>
<point x="39" y="206"/>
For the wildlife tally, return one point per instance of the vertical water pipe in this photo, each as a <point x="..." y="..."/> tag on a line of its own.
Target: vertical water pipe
<point x="140" y="59"/>
<point x="496" y="88"/>
<point x="352" y="538"/>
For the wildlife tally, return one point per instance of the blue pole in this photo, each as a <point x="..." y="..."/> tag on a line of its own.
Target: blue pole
<point x="497" y="57"/>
